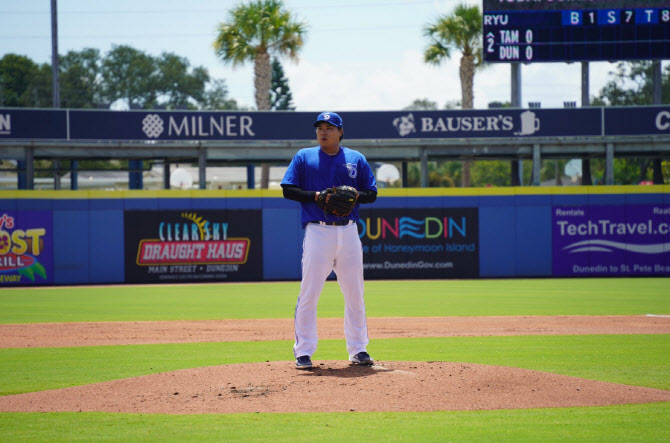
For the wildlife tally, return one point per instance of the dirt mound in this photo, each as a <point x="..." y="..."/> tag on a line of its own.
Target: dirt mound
<point x="334" y="386"/>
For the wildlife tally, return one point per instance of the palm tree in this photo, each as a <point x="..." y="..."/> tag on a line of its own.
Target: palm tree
<point x="254" y="32"/>
<point x="462" y="31"/>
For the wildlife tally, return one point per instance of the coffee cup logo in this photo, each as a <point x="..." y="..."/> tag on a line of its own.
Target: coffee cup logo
<point x="529" y="123"/>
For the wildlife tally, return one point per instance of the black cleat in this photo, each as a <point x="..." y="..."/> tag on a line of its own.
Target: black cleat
<point x="362" y="358"/>
<point x="303" y="362"/>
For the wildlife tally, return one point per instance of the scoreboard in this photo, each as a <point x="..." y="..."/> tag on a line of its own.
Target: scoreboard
<point x="529" y="31"/>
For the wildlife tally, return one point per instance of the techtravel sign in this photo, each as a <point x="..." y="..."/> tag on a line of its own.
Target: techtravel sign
<point x="611" y="240"/>
<point x="193" y="246"/>
<point x="154" y="125"/>
<point x="26" y="248"/>
<point x="420" y="243"/>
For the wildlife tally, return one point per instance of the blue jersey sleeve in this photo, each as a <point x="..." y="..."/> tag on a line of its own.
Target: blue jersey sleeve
<point x="292" y="176"/>
<point x="367" y="179"/>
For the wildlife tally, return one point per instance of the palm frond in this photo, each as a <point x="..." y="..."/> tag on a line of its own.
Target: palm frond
<point x="461" y="31"/>
<point x="262" y="26"/>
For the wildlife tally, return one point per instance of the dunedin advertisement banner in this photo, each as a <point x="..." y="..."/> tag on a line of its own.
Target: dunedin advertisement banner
<point x="193" y="246"/>
<point x="420" y="243"/>
<point x="629" y="240"/>
<point x="26" y="248"/>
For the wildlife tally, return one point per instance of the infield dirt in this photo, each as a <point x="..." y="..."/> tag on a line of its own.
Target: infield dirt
<point x="148" y="332"/>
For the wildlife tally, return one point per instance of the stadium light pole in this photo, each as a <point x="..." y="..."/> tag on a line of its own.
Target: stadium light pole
<point x="657" y="91"/>
<point x="55" y="82"/>
<point x="586" y="101"/>
<point x="517" y="166"/>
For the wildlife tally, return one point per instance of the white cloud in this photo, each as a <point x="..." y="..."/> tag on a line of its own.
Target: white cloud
<point x="393" y="85"/>
<point x="389" y="85"/>
<point x="551" y="84"/>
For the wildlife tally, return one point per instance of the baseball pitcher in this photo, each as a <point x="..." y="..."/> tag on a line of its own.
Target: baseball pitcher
<point x="330" y="182"/>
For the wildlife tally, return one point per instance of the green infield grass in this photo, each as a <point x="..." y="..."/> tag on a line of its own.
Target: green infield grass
<point x="425" y="298"/>
<point x="642" y="360"/>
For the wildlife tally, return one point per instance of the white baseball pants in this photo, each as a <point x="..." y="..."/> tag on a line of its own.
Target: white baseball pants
<point x="326" y="249"/>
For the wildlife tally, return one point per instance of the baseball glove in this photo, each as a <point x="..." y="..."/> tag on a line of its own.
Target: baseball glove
<point x="339" y="201"/>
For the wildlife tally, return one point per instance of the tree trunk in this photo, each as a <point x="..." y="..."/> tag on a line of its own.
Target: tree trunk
<point x="262" y="84"/>
<point x="467" y="182"/>
<point x="467" y="74"/>
<point x="262" y="81"/>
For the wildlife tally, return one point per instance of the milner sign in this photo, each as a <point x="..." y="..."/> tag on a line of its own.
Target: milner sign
<point x="148" y="125"/>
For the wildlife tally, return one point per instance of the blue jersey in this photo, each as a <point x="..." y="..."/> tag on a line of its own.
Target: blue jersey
<point x="313" y="170"/>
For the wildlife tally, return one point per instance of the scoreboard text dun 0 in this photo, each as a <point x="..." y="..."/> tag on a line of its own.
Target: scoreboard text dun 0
<point x="576" y="30"/>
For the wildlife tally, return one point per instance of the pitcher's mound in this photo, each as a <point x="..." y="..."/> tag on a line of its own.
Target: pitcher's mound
<point x="334" y="386"/>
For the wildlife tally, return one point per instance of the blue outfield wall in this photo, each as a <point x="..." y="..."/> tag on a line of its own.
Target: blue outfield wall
<point x="521" y="232"/>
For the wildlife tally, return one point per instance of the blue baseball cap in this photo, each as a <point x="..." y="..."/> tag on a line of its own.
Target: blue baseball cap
<point x="329" y="117"/>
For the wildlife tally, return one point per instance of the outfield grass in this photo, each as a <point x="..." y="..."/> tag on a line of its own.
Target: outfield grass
<point x="620" y="296"/>
<point x="642" y="360"/>
<point x="643" y="423"/>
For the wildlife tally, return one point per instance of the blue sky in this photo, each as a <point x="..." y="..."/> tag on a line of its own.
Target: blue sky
<point x="359" y="55"/>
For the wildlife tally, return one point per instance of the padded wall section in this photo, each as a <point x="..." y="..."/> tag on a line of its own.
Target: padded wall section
<point x="282" y="244"/>
<point x="532" y="248"/>
<point x="71" y="247"/>
<point x="106" y="247"/>
<point x="497" y="241"/>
